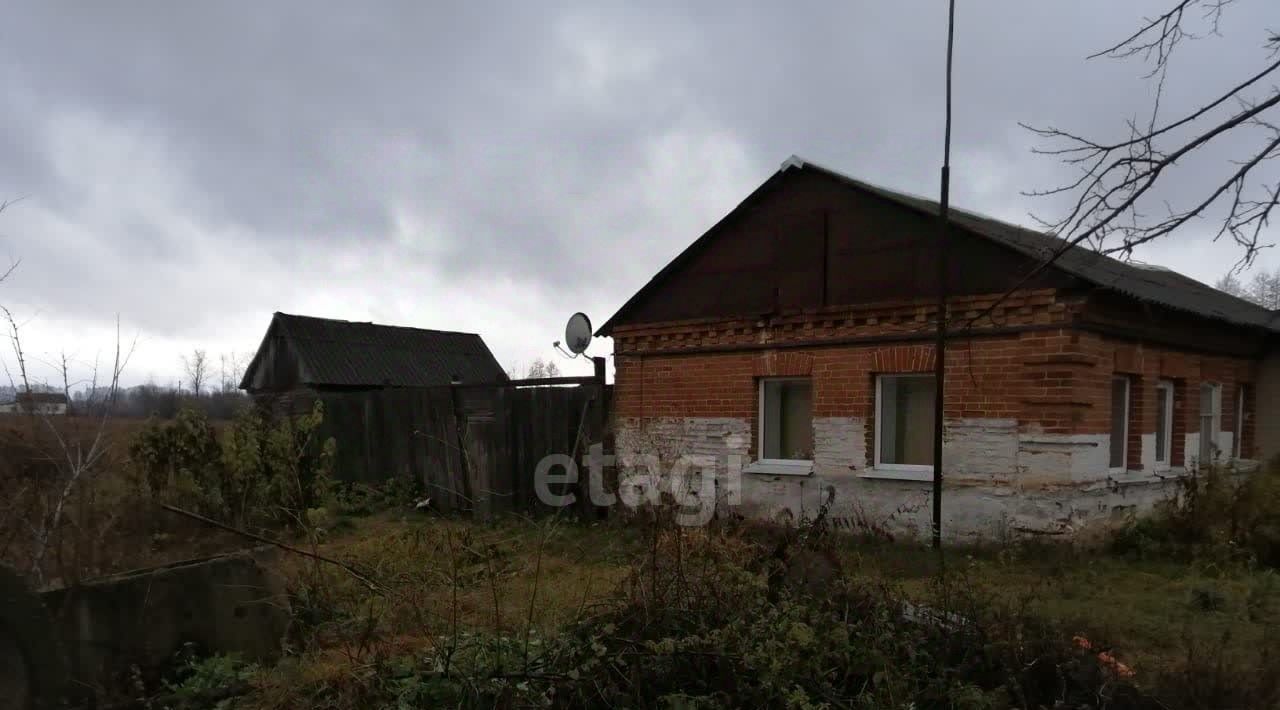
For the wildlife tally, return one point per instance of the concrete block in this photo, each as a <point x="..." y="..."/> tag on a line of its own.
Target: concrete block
<point x="226" y="604"/>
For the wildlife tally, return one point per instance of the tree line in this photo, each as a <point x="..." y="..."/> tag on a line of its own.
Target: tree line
<point x="1263" y="289"/>
<point x="209" y="387"/>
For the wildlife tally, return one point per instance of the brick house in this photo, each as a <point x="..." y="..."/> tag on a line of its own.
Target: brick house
<point x="796" y="336"/>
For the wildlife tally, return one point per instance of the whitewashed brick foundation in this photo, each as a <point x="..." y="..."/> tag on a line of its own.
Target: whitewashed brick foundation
<point x="1001" y="481"/>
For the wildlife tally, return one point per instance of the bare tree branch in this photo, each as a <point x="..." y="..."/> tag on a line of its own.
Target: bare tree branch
<point x="13" y="265"/>
<point x="1116" y="176"/>
<point x="75" y="462"/>
<point x="1113" y="196"/>
<point x="15" y="342"/>
<point x="197" y="369"/>
<point x="1159" y="36"/>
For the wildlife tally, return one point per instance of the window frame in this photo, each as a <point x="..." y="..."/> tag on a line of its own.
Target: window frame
<point x="1171" y="389"/>
<point x="760" y="419"/>
<point x="1124" y="434"/>
<point x="1237" y="440"/>
<point x="1215" y="421"/>
<point x="879" y="421"/>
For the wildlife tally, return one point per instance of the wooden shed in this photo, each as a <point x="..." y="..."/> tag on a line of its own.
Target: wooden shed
<point x="302" y="354"/>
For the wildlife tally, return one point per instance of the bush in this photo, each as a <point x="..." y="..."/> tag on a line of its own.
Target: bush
<point x="723" y="622"/>
<point x="1217" y="513"/>
<point x="356" y="499"/>
<point x="257" y="472"/>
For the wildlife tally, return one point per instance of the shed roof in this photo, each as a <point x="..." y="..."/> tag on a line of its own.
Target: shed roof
<point x="40" y="397"/>
<point x="1153" y="284"/>
<point x="347" y="353"/>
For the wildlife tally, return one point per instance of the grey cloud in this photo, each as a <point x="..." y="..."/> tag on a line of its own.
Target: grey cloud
<point x="196" y="163"/>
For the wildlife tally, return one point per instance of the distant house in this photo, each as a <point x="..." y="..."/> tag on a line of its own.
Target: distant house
<point x="301" y="354"/>
<point x="796" y="335"/>
<point x="50" y="403"/>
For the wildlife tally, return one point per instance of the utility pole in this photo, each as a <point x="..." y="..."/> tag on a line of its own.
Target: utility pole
<point x="940" y="345"/>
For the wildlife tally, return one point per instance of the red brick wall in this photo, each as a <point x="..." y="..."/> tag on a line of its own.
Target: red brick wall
<point x="1146" y="365"/>
<point x="1053" y="379"/>
<point x="1250" y="448"/>
<point x="1263" y="436"/>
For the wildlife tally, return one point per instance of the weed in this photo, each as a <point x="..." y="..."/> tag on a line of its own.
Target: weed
<point x="547" y="614"/>
<point x="1218" y="513"/>
<point x="211" y="682"/>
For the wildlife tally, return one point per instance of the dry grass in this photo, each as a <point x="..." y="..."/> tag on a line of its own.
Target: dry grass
<point x="438" y="579"/>
<point x="444" y="577"/>
<point x="110" y="523"/>
<point x="1151" y="613"/>
<point x="439" y="574"/>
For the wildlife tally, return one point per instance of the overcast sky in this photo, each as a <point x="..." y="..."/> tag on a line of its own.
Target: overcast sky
<point x="194" y="167"/>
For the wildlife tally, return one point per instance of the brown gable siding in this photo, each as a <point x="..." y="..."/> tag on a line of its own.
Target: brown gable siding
<point x="810" y="242"/>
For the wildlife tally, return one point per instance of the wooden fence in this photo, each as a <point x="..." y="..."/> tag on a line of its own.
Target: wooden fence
<point x="474" y="447"/>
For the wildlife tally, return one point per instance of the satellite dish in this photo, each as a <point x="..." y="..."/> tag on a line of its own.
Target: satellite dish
<point x="577" y="333"/>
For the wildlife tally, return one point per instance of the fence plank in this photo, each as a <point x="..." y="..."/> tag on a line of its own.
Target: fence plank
<point x="473" y="448"/>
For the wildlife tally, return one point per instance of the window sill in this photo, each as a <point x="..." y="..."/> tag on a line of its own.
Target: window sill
<point x="780" y="467"/>
<point x="921" y="475"/>
<point x="1131" y="478"/>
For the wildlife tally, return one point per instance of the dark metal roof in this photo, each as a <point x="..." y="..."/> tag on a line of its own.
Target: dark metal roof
<point x="40" y="397"/>
<point x="346" y="353"/>
<point x="1144" y="282"/>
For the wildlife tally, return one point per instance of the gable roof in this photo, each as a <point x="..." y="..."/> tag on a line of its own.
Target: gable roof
<point x="1143" y="282"/>
<point x="39" y="398"/>
<point x="347" y="353"/>
<point x="42" y="397"/>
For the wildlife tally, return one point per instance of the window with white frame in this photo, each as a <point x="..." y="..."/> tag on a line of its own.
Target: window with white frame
<point x="1119" y="457"/>
<point x="1210" y="421"/>
<point x="786" y="419"/>
<point x="1237" y="443"/>
<point x="904" y="422"/>
<point x="1164" y="424"/>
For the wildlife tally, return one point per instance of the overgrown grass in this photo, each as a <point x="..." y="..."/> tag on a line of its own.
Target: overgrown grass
<point x="556" y="613"/>
<point x="1149" y="611"/>
<point x="444" y="574"/>
<point x="109" y="523"/>
<point x="1183" y="611"/>
<point x="1219" y="513"/>
<point x="447" y="588"/>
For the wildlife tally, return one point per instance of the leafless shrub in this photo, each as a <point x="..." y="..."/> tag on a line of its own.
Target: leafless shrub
<point x="196" y="366"/>
<point x="73" y="449"/>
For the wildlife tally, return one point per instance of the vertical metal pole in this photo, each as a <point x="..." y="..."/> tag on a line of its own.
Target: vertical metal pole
<point x="940" y="346"/>
<point x="601" y="425"/>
